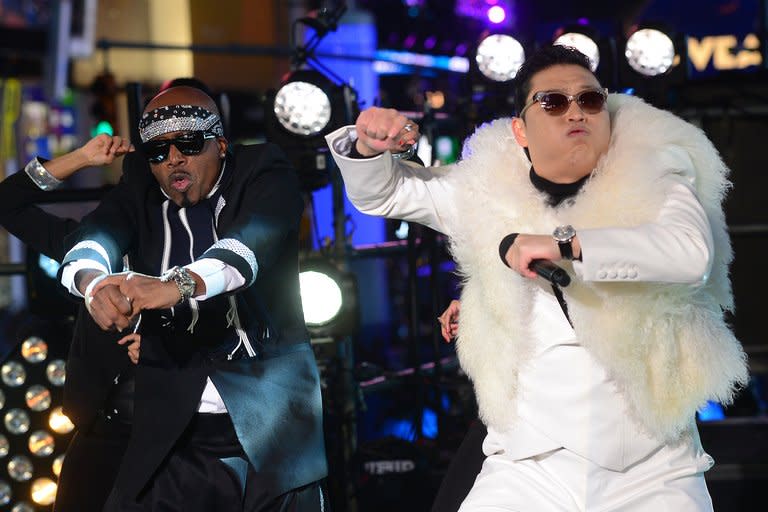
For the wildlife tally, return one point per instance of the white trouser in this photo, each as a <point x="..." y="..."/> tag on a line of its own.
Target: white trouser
<point x="669" y="479"/>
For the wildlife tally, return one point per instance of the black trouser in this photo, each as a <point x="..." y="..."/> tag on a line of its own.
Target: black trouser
<point x="207" y="470"/>
<point x="90" y="466"/>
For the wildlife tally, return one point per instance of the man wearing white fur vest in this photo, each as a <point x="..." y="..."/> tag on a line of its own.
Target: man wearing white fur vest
<point x="589" y="397"/>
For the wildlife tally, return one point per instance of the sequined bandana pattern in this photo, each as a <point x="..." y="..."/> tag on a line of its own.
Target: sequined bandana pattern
<point x="178" y="118"/>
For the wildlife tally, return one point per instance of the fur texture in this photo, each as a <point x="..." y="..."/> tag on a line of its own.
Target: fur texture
<point x="666" y="345"/>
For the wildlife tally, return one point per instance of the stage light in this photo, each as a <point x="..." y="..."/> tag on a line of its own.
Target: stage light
<point x="329" y="299"/>
<point x="5" y="493"/>
<point x="597" y="43"/>
<point x="33" y="429"/>
<point x="13" y="374"/>
<point x="496" y="14"/>
<point x="41" y="443"/>
<point x="34" y="349"/>
<point x="43" y="491"/>
<point x="56" y="371"/>
<point x="38" y="398"/>
<point x="305" y="108"/>
<point x="320" y="296"/>
<point x="650" y="52"/>
<point x="302" y="108"/>
<point x="310" y="105"/>
<point x="20" y="468"/>
<point x="59" y="422"/>
<point x="16" y="421"/>
<point x="584" y="44"/>
<point x="499" y="56"/>
<point x="56" y="465"/>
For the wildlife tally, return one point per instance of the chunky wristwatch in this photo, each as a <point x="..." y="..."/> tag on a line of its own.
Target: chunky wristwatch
<point x="563" y="235"/>
<point x="184" y="281"/>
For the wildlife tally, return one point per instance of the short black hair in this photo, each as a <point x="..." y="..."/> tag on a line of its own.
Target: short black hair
<point x="540" y="60"/>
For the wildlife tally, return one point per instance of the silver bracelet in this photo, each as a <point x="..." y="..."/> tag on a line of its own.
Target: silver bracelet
<point x="40" y="175"/>
<point x="405" y="155"/>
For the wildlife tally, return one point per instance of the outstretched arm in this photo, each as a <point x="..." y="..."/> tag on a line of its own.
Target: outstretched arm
<point x="380" y="182"/>
<point x="19" y="192"/>
<point x="100" y="150"/>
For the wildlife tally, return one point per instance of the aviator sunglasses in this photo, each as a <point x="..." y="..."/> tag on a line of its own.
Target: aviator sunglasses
<point x="188" y="144"/>
<point x="590" y="101"/>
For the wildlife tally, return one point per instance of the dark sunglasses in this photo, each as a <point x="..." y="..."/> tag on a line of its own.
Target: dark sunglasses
<point x="188" y="144"/>
<point x="590" y="101"/>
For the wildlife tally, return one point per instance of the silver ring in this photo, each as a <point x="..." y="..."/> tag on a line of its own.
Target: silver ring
<point x="408" y="127"/>
<point x="405" y="155"/>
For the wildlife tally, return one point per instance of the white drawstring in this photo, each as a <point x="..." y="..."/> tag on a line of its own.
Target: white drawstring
<point x="193" y="305"/>
<point x="241" y="334"/>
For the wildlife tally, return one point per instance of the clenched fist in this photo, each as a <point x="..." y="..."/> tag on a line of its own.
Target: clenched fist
<point x="103" y="149"/>
<point x="384" y="129"/>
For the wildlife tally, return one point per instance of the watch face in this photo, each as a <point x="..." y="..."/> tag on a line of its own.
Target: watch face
<point x="564" y="233"/>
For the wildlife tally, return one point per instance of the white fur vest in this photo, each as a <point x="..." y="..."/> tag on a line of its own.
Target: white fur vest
<point x="665" y="345"/>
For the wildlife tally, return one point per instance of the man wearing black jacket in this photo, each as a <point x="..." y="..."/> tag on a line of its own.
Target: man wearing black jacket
<point x="227" y="413"/>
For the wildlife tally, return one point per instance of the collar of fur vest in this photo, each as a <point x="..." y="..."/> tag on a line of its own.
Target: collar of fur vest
<point x="666" y="346"/>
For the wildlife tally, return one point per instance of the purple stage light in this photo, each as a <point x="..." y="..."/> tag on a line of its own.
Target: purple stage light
<point x="497" y="14"/>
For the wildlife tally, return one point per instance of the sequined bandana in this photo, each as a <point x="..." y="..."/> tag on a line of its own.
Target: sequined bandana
<point x="178" y="118"/>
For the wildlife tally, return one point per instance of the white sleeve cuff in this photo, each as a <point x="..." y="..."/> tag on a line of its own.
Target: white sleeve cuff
<point x="70" y="269"/>
<point x="218" y="276"/>
<point x="342" y="139"/>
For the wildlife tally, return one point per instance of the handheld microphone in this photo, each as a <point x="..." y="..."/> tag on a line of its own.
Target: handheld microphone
<point x="550" y="272"/>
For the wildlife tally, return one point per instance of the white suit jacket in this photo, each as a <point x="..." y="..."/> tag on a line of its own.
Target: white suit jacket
<point x="565" y="398"/>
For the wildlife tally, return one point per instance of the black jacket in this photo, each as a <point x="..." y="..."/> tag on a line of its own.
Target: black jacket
<point x="274" y="397"/>
<point x="94" y="358"/>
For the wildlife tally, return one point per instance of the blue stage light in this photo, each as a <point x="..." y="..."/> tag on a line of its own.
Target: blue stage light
<point x="712" y="411"/>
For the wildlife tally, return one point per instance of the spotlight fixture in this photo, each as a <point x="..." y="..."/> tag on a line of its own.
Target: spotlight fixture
<point x="650" y="52"/>
<point x="305" y="108"/>
<point x="582" y="42"/>
<point x="310" y="105"/>
<point x="329" y="299"/>
<point x="499" y="56"/>
<point x="302" y="108"/>
<point x="34" y="431"/>
<point x="320" y="297"/>
<point x="496" y="14"/>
